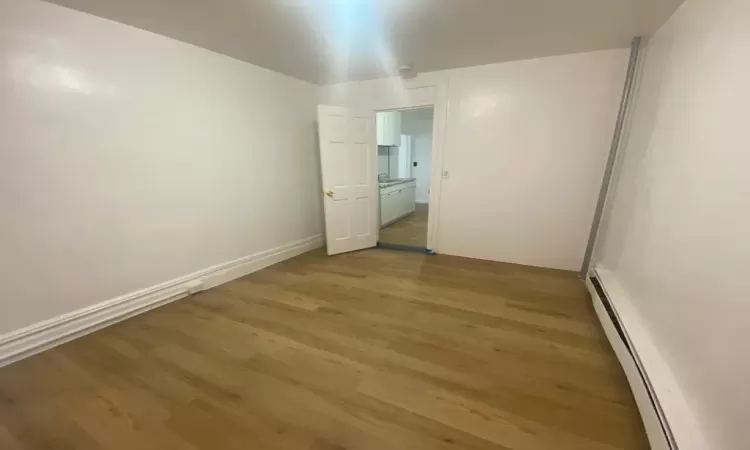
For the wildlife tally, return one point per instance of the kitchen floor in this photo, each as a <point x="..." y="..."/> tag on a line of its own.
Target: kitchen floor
<point x="411" y="230"/>
<point x="370" y="350"/>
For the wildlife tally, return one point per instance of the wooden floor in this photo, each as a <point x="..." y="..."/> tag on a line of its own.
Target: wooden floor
<point x="411" y="230"/>
<point x="375" y="350"/>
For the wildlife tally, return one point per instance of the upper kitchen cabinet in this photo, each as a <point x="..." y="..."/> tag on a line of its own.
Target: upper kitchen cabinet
<point x="389" y="128"/>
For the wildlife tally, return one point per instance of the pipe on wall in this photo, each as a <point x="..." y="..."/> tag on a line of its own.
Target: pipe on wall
<point x="627" y="95"/>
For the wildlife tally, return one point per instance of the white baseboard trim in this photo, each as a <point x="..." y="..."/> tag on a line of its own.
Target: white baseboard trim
<point x="41" y="336"/>
<point x="669" y="422"/>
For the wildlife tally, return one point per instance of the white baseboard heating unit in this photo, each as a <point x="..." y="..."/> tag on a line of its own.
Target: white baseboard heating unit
<point x="657" y="426"/>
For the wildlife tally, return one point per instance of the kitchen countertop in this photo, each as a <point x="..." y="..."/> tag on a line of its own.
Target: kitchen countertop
<point x="388" y="184"/>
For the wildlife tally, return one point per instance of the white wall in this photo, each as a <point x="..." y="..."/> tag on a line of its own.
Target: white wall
<point x="677" y="239"/>
<point x="419" y="129"/>
<point x="422" y="154"/>
<point x="128" y="159"/>
<point x="525" y="145"/>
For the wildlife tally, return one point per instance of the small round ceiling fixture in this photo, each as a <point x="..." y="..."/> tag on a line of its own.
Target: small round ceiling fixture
<point x="407" y="71"/>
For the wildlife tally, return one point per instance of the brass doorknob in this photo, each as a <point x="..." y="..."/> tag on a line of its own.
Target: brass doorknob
<point x="329" y="193"/>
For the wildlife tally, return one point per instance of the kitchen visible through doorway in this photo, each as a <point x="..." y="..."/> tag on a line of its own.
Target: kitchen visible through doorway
<point x="404" y="153"/>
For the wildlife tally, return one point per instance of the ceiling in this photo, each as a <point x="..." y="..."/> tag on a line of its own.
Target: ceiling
<point x="326" y="41"/>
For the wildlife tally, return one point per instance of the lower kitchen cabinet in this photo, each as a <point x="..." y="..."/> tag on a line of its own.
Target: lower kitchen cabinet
<point x="397" y="202"/>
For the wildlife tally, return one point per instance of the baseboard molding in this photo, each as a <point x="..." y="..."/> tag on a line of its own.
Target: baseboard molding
<point x="669" y="423"/>
<point x="41" y="336"/>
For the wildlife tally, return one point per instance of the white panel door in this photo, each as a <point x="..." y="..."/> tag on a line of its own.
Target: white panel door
<point x="348" y="160"/>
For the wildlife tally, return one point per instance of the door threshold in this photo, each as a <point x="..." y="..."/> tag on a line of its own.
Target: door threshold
<point x="405" y="248"/>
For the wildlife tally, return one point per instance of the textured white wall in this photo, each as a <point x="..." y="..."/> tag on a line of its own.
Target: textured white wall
<point x="677" y="237"/>
<point x="525" y="144"/>
<point x="128" y="159"/>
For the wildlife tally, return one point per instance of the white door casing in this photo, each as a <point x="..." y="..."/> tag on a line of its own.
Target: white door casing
<point x="348" y="160"/>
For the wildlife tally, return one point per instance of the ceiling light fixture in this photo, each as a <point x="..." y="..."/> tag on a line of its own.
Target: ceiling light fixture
<point x="407" y="71"/>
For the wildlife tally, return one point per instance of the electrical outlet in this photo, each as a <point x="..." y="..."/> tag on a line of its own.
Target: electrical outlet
<point x="446" y="175"/>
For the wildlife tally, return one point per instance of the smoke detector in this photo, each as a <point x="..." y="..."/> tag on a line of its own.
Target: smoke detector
<point x="407" y="71"/>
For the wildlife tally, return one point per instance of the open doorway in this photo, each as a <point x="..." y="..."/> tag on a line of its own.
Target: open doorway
<point x="404" y="154"/>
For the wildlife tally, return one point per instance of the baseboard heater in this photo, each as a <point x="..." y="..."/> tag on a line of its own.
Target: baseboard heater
<point x="654" y="420"/>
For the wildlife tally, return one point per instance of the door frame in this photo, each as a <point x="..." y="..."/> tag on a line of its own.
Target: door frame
<point x="414" y="94"/>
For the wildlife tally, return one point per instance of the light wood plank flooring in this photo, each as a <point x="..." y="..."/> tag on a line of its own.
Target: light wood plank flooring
<point x="411" y="230"/>
<point x="375" y="350"/>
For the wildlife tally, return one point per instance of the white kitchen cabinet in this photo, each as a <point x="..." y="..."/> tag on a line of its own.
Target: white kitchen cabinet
<point x="397" y="201"/>
<point x="396" y="208"/>
<point x="403" y="201"/>
<point x="391" y="211"/>
<point x="388" y="208"/>
<point x="389" y="128"/>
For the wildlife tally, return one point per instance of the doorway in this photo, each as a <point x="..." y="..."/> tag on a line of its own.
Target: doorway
<point x="405" y="142"/>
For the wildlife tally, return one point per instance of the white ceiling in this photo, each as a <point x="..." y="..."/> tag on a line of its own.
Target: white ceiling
<point x="325" y="41"/>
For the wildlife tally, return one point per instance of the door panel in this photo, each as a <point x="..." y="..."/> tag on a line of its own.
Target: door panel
<point x="362" y="218"/>
<point x="339" y="210"/>
<point x="361" y="164"/>
<point x="338" y="159"/>
<point x="348" y="157"/>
